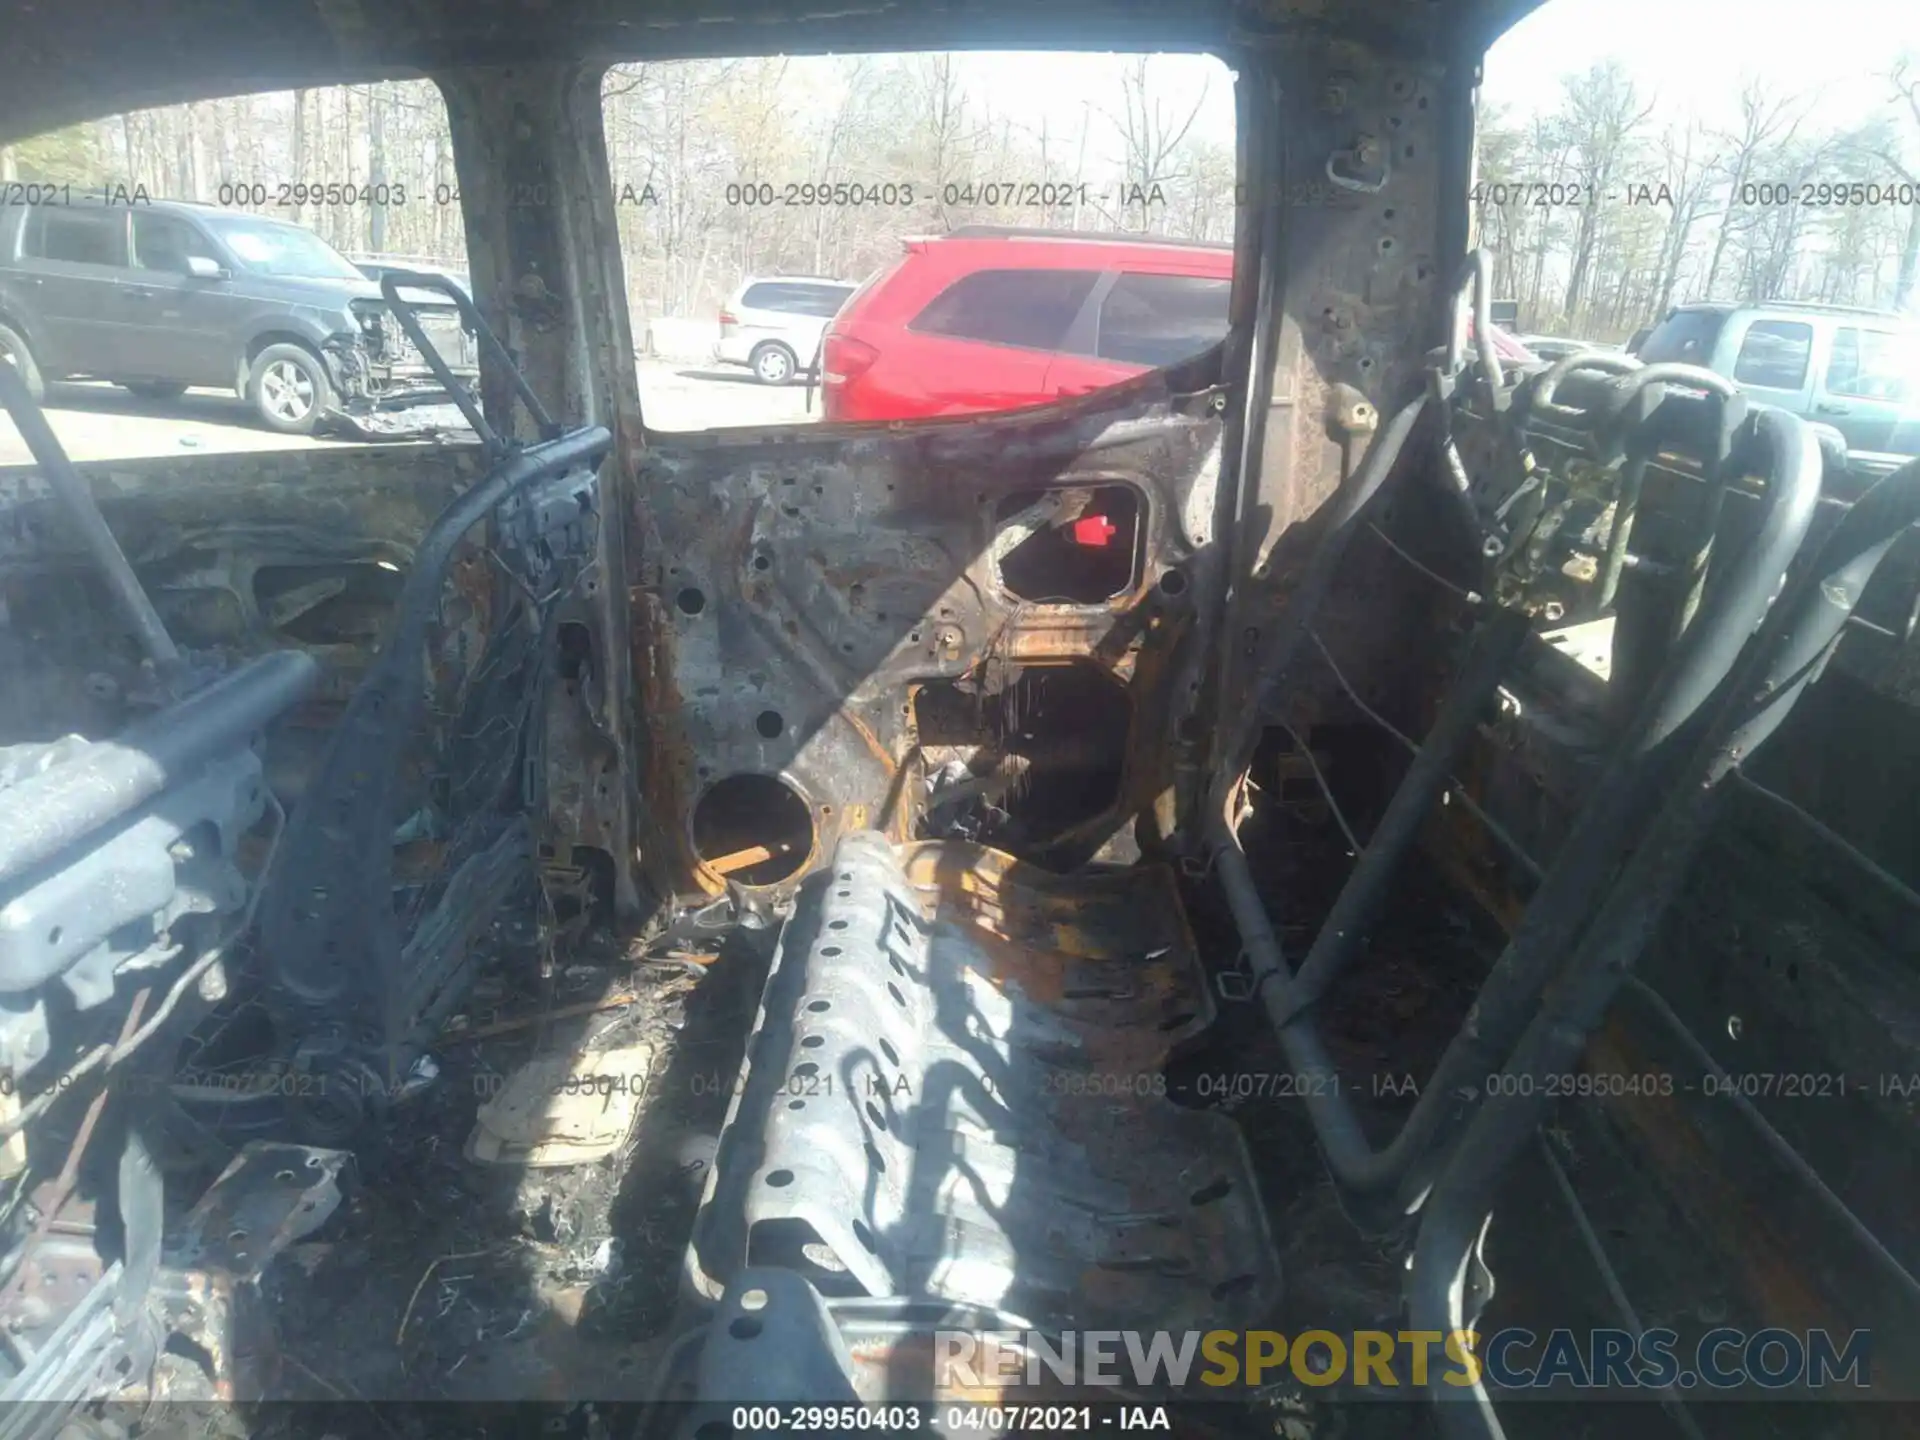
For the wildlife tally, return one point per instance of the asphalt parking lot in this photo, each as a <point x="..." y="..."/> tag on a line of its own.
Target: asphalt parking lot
<point x="103" y="422"/>
<point x="704" y="396"/>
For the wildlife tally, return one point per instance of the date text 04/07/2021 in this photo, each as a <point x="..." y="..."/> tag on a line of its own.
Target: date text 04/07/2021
<point x="950" y="1418"/>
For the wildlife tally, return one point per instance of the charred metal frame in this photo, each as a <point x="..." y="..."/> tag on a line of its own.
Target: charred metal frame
<point x="1794" y="644"/>
<point x="356" y="999"/>
<point x="409" y="318"/>
<point x="1719" y="695"/>
<point x="1344" y="272"/>
<point x="76" y="500"/>
<point x="120" y="872"/>
<point x="1244" y="459"/>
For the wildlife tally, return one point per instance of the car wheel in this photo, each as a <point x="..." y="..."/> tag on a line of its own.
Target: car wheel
<point x="288" y="389"/>
<point x="14" y="349"/>
<point x="773" y="364"/>
<point x="155" y="389"/>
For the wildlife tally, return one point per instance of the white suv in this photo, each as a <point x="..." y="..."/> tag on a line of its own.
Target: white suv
<point x="773" y="326"/>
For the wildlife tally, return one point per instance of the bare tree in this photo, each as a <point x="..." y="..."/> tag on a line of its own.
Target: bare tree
<point x="1151" y="137"/>
<point x="1767" y="120"/>
<point x="943" y="132"/>
<point x="1689" y="180"/>
<point x="1550" y="148"/>
<point x="1905" y="80"/>
<point x="1604" y="115"/>
<point x="915" y="133"/>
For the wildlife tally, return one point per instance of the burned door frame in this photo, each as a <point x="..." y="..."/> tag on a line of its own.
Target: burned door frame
<point x="1348" y="228"/>
<point x="533" y="195"/>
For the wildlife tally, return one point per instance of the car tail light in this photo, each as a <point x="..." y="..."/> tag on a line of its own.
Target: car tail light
<point x="727" y="319"/>
<point x="844" y="357"/>
<point x="1095" y="530"/>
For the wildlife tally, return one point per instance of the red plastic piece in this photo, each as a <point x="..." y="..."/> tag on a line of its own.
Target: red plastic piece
<point x="1094" y="530"/>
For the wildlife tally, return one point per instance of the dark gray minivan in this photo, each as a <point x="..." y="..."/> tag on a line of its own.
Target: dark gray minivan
<point x="159" y="296"/>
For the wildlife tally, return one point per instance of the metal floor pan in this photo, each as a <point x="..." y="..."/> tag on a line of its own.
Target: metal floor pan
<point x="955" y="1091"/>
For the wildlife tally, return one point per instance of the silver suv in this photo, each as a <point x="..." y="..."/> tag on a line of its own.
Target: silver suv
<point x="1856" y="371"/>
<point x="773" y="326"/>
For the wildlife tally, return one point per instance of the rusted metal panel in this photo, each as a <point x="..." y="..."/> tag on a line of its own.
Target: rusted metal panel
<point x="534" y="130"/>
<point x="800" y="586"/>
<point x="1358" y="263"/>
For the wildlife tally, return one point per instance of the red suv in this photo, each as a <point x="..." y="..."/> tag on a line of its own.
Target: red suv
<point x="994" y="319"/>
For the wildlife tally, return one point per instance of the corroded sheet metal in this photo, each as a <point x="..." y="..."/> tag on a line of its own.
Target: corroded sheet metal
<point x="799" y="586"/>
<point x="955" y="1090"/>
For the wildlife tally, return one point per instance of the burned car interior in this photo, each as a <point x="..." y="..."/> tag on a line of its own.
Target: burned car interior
<point x="1260" y="918"/>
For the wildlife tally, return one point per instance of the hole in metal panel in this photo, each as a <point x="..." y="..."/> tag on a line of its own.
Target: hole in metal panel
<point x="1217" y="1190"/>
<point x="743" y="815"/>
<point x="1042" y="759"/>
<point x="1084" y="553"/>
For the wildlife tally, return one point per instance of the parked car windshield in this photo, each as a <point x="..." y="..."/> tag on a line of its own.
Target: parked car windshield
<point x="822" y="302"/>
<point x="285" y="251"/>
<point x="1685" y="336"/>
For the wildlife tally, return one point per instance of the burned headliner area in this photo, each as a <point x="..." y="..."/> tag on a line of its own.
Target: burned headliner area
<point x="73" y="62"/>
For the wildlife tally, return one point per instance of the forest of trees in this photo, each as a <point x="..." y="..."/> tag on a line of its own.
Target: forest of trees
<point x="390" y="134"/>
<point x="1641" y="209"/>
<point x="683" y="139"/>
